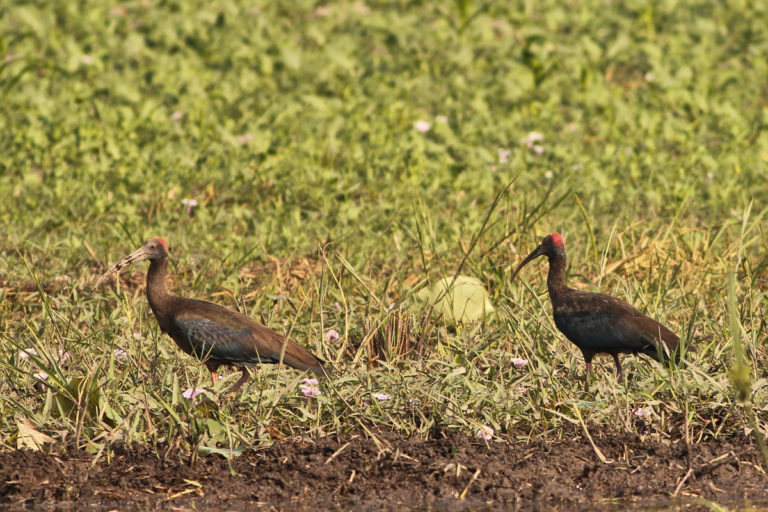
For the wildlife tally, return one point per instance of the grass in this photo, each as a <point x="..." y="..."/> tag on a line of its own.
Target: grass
<point x="322" y="207"/>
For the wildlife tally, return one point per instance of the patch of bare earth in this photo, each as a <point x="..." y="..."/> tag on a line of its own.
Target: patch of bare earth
<point x="397" y="473"/>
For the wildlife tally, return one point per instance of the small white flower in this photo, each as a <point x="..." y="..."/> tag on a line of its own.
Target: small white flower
<point x="64" y="277"/>
<point x="87" y="60"/>
<point x="422" y="126"/>
<point x="485" y="432"/>
<point x="549" y="175"/>
<point x="177" y="115"/>
<point x="41" y="376"/>
<point x="441" y="119"/>
<point x="710" y="176"/>
<point x="522" y="389"/>
<point x="519" y="362"/>
<point x="381" y="397"/>
<point x="537" y="149"/>
<point x="577" y="167"/>
<point x="119" y="354"/>
<point x="504" y="155"/>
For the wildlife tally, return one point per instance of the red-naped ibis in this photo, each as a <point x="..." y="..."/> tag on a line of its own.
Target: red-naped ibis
<point x="598" y="323"/>
<point x="213" y="333"/>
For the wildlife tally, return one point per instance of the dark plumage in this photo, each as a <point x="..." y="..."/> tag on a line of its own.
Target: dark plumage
<point x="598" y="323"/>
<point x="213" y="333"/>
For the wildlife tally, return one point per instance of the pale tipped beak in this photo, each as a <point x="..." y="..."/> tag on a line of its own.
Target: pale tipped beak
<point x="539" y="251"/>
<point x="138" y="255"/>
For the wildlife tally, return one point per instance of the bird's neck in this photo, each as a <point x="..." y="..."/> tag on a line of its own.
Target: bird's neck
<point x="158" y="297"/>
<point x="556" y="277"/>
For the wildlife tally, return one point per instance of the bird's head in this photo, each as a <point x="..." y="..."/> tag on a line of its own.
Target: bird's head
<point x="153" y="249"/>
<point x="550" y="246"/>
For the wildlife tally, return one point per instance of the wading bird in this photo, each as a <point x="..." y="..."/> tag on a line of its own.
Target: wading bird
<point x="213" y="333"/>
<point x="598" y="323"/>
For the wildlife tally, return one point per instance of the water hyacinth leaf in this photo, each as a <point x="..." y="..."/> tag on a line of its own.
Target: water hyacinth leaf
<point x="459" y="300"/>
<point x="227" y="453"/>
<point x="82" y="393"/>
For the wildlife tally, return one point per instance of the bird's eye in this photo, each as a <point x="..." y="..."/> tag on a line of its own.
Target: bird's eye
<point x="153" y="246"/>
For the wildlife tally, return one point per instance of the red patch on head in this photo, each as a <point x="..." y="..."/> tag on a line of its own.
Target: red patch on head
<point x="162" y="242"/>
<point x="557" y="239"/>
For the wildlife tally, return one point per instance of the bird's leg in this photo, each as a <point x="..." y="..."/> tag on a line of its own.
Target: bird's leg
<point x="619" y="369"/>
<point x="245" y="376"/>
<point x="586" y="376"/>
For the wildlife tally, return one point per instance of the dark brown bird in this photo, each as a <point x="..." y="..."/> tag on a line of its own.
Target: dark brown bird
<point x="598" y="323"/>
<point x="213" y="333"/>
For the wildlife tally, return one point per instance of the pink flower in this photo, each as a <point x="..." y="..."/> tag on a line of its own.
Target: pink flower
<point x="119" y="354"/>
<point x="191" y="393"/>
<point x="41" y="376"/>
<point x="177" y="115"/>
<point x="441" y="119"/>
<point x="522" y="389"/>
<point x="422" y="126"/>
<point x="87" y="60"/>
<point x="504" y="155"/>
<point x="485" y="432"/>
<point x="537" y="149"/>
<point x="332" y="334"/>
<point x="64" y="356"/>
<point x="519" y="363"/>
<point x="532" y="138"/>
<point x="24" y="354"/>
<point x="191" y="204"/>
<point x="643" y="413"/>
<point x="381" y="397"/>
<point x="245" y="138"/>
<point x="549" y="175"/>
<point x="310" y="388"/>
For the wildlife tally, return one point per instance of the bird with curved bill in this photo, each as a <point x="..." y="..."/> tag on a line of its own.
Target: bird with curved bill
<point x="213" y="333"/>
<point x="598" y="323"/>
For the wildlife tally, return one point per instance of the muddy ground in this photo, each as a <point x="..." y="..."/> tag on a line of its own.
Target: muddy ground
<point x="394" y="473"/>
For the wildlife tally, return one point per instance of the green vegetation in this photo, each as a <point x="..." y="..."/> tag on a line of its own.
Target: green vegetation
<point x="345" y="156"/>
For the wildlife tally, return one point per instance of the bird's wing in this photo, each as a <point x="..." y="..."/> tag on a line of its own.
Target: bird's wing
<point x="603" y="323"/>
<point x="234" y="335"/>
<point x="211" y="340"/>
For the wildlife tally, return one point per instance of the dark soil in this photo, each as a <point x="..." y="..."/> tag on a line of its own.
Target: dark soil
<point x="395" y="473"/>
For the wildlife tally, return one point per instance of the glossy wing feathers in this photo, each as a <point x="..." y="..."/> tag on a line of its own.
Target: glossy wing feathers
<point x="602" y="323"/>
<point x="222" y="334"/>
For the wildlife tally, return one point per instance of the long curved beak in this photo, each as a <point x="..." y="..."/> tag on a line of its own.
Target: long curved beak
<point x="539" y="251"/>
<point x="138" y="255"/>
